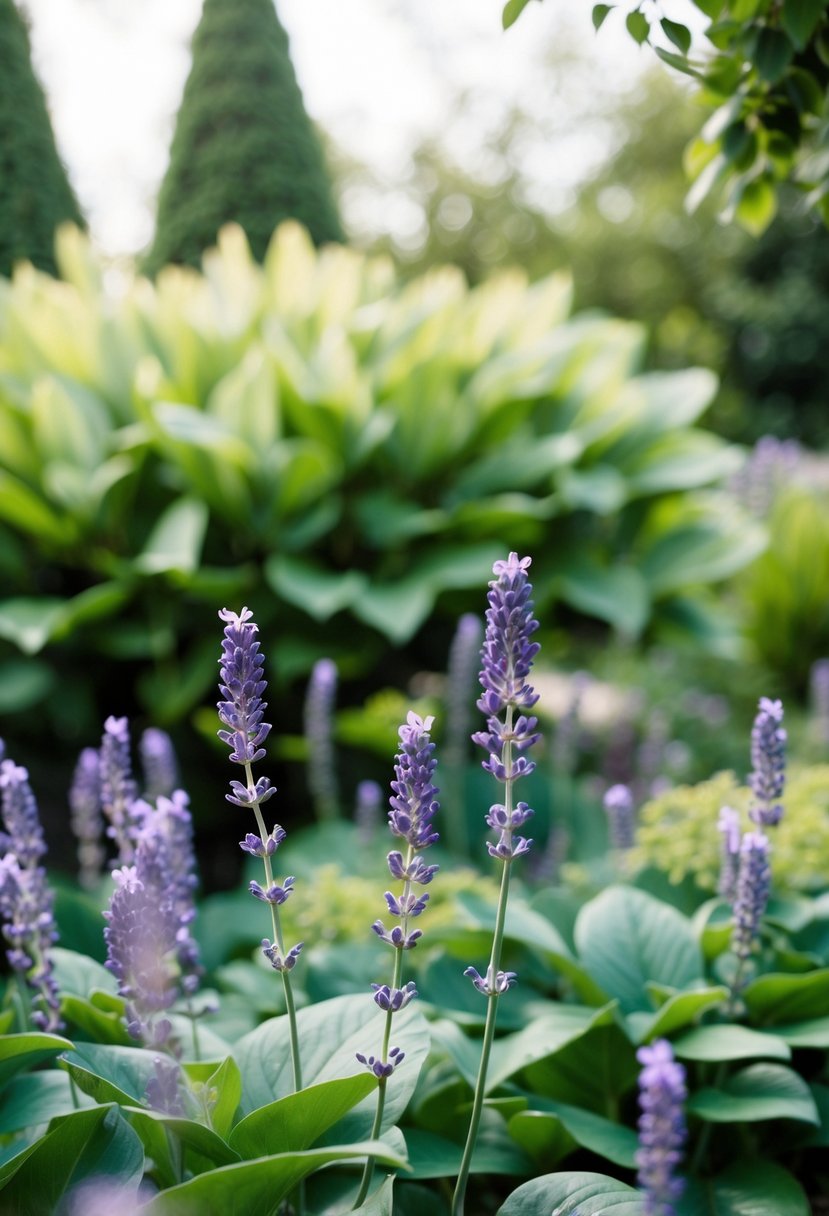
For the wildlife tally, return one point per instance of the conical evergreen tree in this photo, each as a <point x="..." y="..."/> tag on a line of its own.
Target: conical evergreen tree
<point x="244" y="148"/>
<point x="35" y="195"/>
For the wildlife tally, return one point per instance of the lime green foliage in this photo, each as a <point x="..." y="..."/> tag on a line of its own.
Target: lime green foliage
<point x="345" y="904"/>
<point x="678" y="830"/>
<point x="315" y="439"/>
<point x="244" y="148"/>
<point x="35" y="195"/>
<point x="785" y="592"/>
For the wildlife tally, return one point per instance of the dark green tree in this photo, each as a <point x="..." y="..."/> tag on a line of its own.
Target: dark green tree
<point x="35" y="195"/>
<point x="244" y="148"/>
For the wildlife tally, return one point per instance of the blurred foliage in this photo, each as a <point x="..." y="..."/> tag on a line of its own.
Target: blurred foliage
<point x="244" y="149"/>
<point x="751" y="309"/>
<point x="347" y="453"/>
<point x="677" y="830"/>
<point x="35" y="195"/>
<point x="784" y="593"/>
<point x="765" y="71"/>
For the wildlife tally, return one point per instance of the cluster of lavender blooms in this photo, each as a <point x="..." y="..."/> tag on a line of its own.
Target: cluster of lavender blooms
<point x="413" y="806"/>
<point x="319" y="735"/>
<point x="768" y="758"/>
<point x="242" y="712"/>
<point x="507" y="657"/>
<point x="25" y="898"/>
<point x="368" y="802"/>
<point x="618" y="806"/>
<point x="662" y="1130"/>
<point x="769" y="469"/>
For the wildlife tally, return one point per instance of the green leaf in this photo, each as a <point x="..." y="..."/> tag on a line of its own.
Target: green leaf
<point x="86" y="1144"/>
<point x="812" y="1033"/>
<point x="398" y="609"/>
<point x="203" y="1141"/>
<point x="679" y="1009"/>
<point x="110" y="1073"/>
<point x="319" y="592"/>
<point x="618" y="595"/>
<point x="256" y="1188"/>
<point x="23" y="1052"/>
<point x="574" y="1194"/>
<point x="592" y="1071"/>
<point x="534" y="1127"/>
<point x="495" y="1152"/>
<point x="800" y="19"/>
<point x="381" y="1203"/>
<point x="747" y="1188"/>
<point x="295" y="1122"/>
<point x="35" y="1099"/>
<point x="29" y="623"/>
<point x="545" y="1036"/>
<point x="677" y="33"/>
<point x="512" y="11"/>
<point x="226" y="1081"/>
<point x="626" y="938"/>
<point x="757" y="206"/>
<point x="78" y="974"/>
<point x="599" y="14"/>
<point x="754" y="1094"/>
<point x="773" y="54"/>
<point x="175" y="542"/>
<point x="703" y="551"/>
<point x="24" y="683"/>
<point x="716" y="1043"/>
<point x="638" y="26"/>
<point x="782" y="998"/>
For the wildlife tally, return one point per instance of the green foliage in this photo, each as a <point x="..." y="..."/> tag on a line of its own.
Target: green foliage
<point x="244" y="149"/>
<point x="765" y="71"/>
<point x="785" y="591"/>
<point x="341" y="449"/>
<point x="677" y="835"/>
<point x="35" y="195"/>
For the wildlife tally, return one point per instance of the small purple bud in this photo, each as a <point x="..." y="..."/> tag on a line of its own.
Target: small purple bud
<point x="489" y="985"/>
<point x="274" y="894"/>
<point x="394" y="999"/>
<point x="278" y="961"/>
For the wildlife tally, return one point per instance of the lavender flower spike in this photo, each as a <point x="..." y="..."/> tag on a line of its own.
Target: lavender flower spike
<point x="158" y="760"/>
<point x="768" y="757"/>
<point x="753" y="886"/>
<point x="319" y="735"/>
<point x="86" y="816"/>
<point x="728" y="825"/>
<point x="662" y="1130"/>
<point x="119" y="791"/>
<point x="618" y="805"/>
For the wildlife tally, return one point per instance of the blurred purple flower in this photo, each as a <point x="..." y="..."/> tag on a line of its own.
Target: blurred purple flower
<point x="618" y="805"/>
<point x="728" y="825"/>
<point x="662" y="1130"/>
<point x="752" y="894"/>
<point x="768" y="757"/>
<point x="319" y="737"/>
<point x="159" y="763"/>
<point x="86" y="817"/>
<point x="119" y="792"/>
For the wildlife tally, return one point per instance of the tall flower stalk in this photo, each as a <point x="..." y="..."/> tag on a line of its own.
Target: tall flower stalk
<point x="413" y="806"/>
<point x="507" y="657"/>
<point x="662" y="1130"/>
<point x="242" y="711"/>
<point x="319" y="736"/>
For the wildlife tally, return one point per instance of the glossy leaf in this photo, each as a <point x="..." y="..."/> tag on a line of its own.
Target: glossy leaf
<point x="574" y="1194"/>
<point x="715" y="1043"/>
<point x="512" y="11"/>
<point x="295" y="1122"/>
<point x="22" y="1052"/>
<point x="602" y="1136"/>
<point x="781" y="998"/>
<point x="746" y="1188"/>
<point x="756" y="1093"/>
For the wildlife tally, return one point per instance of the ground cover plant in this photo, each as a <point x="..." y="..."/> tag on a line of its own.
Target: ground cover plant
<point x="527" y="1046"/>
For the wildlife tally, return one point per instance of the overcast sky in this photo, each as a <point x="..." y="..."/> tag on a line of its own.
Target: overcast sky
<point x="376" y="74"/>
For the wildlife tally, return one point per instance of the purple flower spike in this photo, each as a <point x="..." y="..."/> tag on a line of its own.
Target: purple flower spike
<point x="158" y="760"/>
<point x="662" y="1129"/>
<point x="413" y="804"/>
<point x="618" y="805"/>
<point x="164" y="1088"/>
<point x="20" y="816"/>
<point x="119" y="792"/>
<point x="242" y="686"/>
<point x="753" y="887"/>
<point x="508" y="653"/>
<point x="319" y="736"/>
<point x="768" y="757"/>
<point x="728" y="825"/>
<point x="86" y="816"/>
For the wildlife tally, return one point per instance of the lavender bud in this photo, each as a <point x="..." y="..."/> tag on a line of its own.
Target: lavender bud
<point x="246" y="796"/>
<point x="20" y="816"/>
<point x="319" y="735"/>
<point x="413" y="804"/>
<point x="729" y="826"/>
<point x="397" y="937"/>
<point x="258" y="848"/>
<point x="768" y="756"/>
<point x="86" y="817"/>
<point x="119" y="792"/>
<point x="380" y="1068"/>
<point x="406" y="905"/>
<point x="274" y="894"/>
<point x="394" y="999"/>
<point x="278" y="961"/>
<point x="158" y="760"/>
<point x="491" y="985"/>
<point x="662" y="1130"/>
<point x="417" y="870"/>
<point x="164" y="1091"/>
<point x="753" y="887"/>
<point x="618" y="805"/>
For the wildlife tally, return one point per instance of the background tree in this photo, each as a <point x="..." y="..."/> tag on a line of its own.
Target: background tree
<point x="244" y="148"/>
<point x="35" y="195"/>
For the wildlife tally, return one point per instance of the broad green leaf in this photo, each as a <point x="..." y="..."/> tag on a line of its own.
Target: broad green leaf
<point x="545" y="1036"/>
<point x="381" y="1203"/>
<point x="626" y="938"/>
<point x="780" y="998"/>
<point x="772" y="54"/>
<point x="23" y="1052"/>
<point x="677" y="33"/>
<point x="754" y="1094"/>
<point x="89" y="1021"/>
<point x="35" y="1099"/>
<point x="747" y="1188"/>
<point x="175" y="542"/>
<point x="716" y="1043"/>
<point x="699" y="552"/>
<point x="800" y="19"/>
<point x="202" y="1140"/>
<point x="574" y="1194"/>
<point x="226" y="1083"/>
<point x="24" y="683"/>
<point x="80" y="975"/>
<point x="638" y="26"/>
<point x="531" y="1128"/>
<point x="680" y="461"/>
<point x="319" y="592"/>
<point x="618" y="594"/>
<point x="110" y="1073"/>
<point x="512" y="11"/>
<point x="812" y="1033"/>
<point x="398" y="609"/>
<point x="29" y="623"/>
<point x="86" y="1144"/>
<point x="757" y="205"/>
<point x="593" y="1071"/>
<point x="599" y="14"/>
<point x="295" y="1122"/>
<point x="678" y="1011"/>
<point x="330" y="1034"/>
<point x="255" y="1188"/>
<point x="495" y="1152"/>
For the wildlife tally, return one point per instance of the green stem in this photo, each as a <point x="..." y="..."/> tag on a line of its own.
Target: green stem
<point x="278" y="940"/>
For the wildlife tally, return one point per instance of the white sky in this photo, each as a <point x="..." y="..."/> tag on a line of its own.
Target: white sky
<point x="376" y="74"/>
